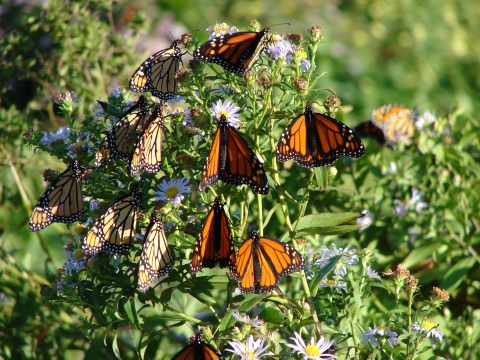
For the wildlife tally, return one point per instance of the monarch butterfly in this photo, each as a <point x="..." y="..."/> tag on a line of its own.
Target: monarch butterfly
<point x="115" y="230"/>
<point x="396" y="122"/>
<point x="313" y="139"/>
<point x="119" y="142"/>
<point x="369" y="129"/>
<point x="197" y="350"/>
<point x="263" y="261"/>
<point x="214" y="243"/>
<point x="232" y="161"/>
<point x="62" y="201"/>
<point x="157" y="73"/>
<point x="234" y="52"/>
<point x="147" y="152"/>
<point x="156" y="259"/>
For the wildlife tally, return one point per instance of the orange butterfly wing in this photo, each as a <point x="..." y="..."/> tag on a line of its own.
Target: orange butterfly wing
<point x="156" y="259"/>
<point x="62" y="201"/>
<point x="396" y="121"/>
<point x="214" y="243"/>
<point x="198" y="350"/>
<point x="263" y="261"/>
<point x="119" y="142"/>
<point x="157" y="73"/>
<point x="234" y="52"/>
<point x="313" y="139"/>
<point x="233" y="161"/>
<point x="147" y="152"/>
<point x="115" y="230"/>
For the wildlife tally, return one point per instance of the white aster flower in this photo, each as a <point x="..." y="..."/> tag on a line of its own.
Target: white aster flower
<point x="348" y="258"/>
<point x="279" y="48"/>
<point x="251" y="350"/>
<point x="246" y="319"/>
<point x="373" y="336"/>
<point x="305" y="65"/>
<point x="229" y="110"/>
<point x="365" y="221"/>
<point x="116" y="93"/>
<point x="313" y="350"/>
<point x="401" y="208"/>
<point x="424" y="120"/>
<point x="75" y="261"/>
<point x="173" y="190"/>
<point x="371" y="273"/>
<point x="333" y="284"/>
<point x="220" y="29"/>
<point x="429" y="329"/>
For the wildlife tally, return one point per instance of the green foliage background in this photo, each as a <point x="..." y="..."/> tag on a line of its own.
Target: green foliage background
<point x="423" y="54"/>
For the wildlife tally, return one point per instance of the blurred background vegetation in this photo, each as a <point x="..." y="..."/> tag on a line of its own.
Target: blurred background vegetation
<point x="423" y="54"/>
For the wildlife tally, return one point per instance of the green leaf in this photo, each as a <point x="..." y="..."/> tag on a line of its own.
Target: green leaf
<point x="454" y="277"/>
<point x="326" y="219"/>
<point x="322" y="273"/>
<point x="321" y="174"/>
<point x="421" y="253"/>
<point x="271" y="316"/>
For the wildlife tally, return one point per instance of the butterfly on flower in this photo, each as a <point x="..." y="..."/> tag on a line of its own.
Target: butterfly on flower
<point x="156" y="259"/>
<point x="396" y="121"/>
<point x="119" y="142"/>
<point x="262" y="262"/>
<point x="62" y="201"/>
<point x="197" y="350"/>
<point x="314" y="139"/>
<point x="115" y="230"/>
<point x="235" y="52"/>
<point x="233" y="161"/>
<point x="214" y="243"/>
<point x="157" y="73"/>
<point x="147" y="151"/>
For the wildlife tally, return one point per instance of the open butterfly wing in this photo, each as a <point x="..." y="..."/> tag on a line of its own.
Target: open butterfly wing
<point x="235" y="52"/>
<point x="313" y="139"/>
<point x="115" y="230"/>
<point x="156" y="259"/>
<point x="214" y="244"/>
<point x="263" y="261"/>
<point x="198" y="350"/>
<point x="210" y="169"/>
<point x="396" y="121"/>
<point x="62" y="201"/>
<point x="369" y="129"/>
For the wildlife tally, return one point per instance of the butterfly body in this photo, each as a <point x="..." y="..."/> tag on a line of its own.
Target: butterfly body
<point x="119" y="142"/>
<point x="62" y="201"/>
<point x="115" y="230"/>
<point x="147" y="151"/>
<point x="156" y="259"/>
<point x="263" y="261"/>
<point x="314" y="139"/>
<point x="214" y="244"/>
<point x="233" y="161"/>
<point x="157" y="73"/>
<point x="198" y="350"/>
<point x="235" y="52"/>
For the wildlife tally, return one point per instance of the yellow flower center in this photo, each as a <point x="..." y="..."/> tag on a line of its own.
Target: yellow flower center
<point x="428" y="325"/>
<point x="171" y="192"/>
<point x="224" y="113"/>
<point x="250" y="354"/>
<point x="218" y="28"/>
<point x="312" y="351"/>
<point x="331" y="282"/>
<point x="78" y="254"/>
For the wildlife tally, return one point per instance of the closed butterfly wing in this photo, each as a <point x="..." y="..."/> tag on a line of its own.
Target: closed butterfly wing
<point x="119" y="142"/>
<point x="313" y="139"/>
<point x="235" y="52"/>
<point x="396" y="121"/>
<point x="115" y="230"/>
<point x="157" y="73"/>
<point x="369" y="129"/>
<point x="263" y="261"/>
<point x="62" y="201"/>
<point x="156" y="259"/>
<point x="214" y="244"/>
<point x="198" y="350"/>
<point x="233" y="161"/>
<point x="147" y="152"/>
